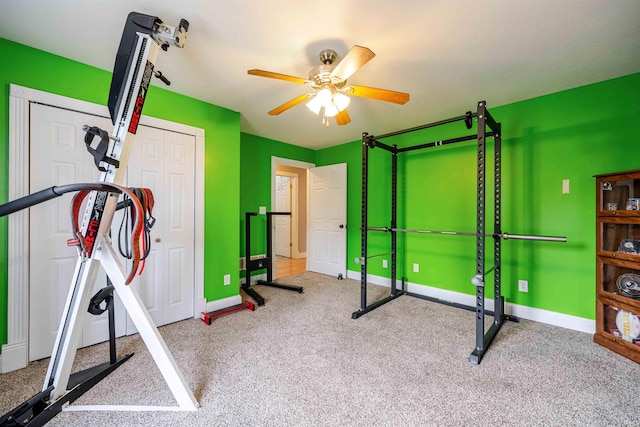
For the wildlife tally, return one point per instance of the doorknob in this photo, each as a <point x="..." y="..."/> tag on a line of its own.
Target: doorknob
<point x="158" y="240"/>
<point x="342" y="226"/>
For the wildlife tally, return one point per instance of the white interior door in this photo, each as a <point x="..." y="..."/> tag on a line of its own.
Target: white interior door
<point x="164" y="161"/>
<point x="282" y="223"/>
<point x="58" y="157"/>
<point x="326" y="252"/>
<point x="161" y="160"/>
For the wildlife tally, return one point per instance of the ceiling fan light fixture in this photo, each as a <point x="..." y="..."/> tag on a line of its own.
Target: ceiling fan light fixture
<point x="324" y="96"/>
<point x="341" y="100"/>
<point x="331" y="110"/>
<point x="314" y="105"/>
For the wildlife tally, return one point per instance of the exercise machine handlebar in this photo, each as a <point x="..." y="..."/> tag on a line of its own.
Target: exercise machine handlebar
<point x="504" y="236"/>
<point x="51" y="193"/>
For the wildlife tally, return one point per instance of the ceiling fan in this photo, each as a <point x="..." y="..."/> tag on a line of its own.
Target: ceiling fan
<point x="332" y="92"/>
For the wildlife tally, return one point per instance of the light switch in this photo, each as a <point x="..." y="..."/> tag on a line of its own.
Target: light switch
<point x="263" y="210"/>
<point x="565" y="186"/>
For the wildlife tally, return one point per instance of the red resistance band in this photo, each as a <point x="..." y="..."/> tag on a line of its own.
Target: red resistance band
<point x="141" y="202"/>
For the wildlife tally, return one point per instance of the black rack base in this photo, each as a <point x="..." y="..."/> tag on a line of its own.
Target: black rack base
<point x="371" y="307"/>
<point x="298" y="289"/>
<point x="259" y="299"/>
<point x="253" y="294"/>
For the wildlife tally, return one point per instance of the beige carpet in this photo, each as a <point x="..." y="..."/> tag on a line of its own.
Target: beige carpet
<point x="302" y="361"/>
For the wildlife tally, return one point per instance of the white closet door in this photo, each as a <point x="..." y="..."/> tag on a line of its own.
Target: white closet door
<point x="161" y="160"/>
<point x="58" y="156"/>
<point x="164" y="162"/>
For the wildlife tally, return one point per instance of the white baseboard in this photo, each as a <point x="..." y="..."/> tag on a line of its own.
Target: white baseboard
<point x="536" y="314"/>
<point x="14" y="356"/>
<point x="223" y="303"/>
<point x="201" y="305"/>
<point x="254" y="278"/>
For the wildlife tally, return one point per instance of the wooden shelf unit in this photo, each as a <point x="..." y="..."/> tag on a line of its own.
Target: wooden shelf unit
<point x="618" y="260"/>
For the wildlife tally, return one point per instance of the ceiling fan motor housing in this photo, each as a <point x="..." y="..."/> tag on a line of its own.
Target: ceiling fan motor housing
<point x="321" y="75"/>
<point x="328" y="56"/>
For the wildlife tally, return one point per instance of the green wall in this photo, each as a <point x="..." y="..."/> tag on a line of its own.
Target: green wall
<point x="573" y="135"/>
<point x="255" y="184"/>
<point x="43" y="71"/>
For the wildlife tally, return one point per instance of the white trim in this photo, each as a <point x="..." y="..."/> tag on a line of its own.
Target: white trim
<point x="566" y="321"/>
<point x="254" y="279"/>
<point x="221" y="304"/>
<point x="200" y="300"/>
<point x="275" y="161"/>
<point x="15" y="352"/>
<point x="13" y="356"/>
<point x="553" y="318"/>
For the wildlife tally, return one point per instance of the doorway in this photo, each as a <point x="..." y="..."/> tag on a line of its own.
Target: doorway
<point x="289" y="194"/>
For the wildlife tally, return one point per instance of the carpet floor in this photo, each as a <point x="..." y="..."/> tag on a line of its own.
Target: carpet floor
<point x="301" y="360"/>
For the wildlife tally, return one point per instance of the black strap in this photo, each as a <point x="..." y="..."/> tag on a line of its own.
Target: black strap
<point x="100" y="152"/>
<point x="128" y="219"/>
<point x="103" y="295"/>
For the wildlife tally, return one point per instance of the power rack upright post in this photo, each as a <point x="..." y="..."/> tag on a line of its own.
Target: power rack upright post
<point x="141" y="41"/>
<point x="486" y="127"/>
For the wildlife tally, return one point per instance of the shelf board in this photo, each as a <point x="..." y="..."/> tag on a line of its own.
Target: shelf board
<point x="620" y="346"/>
<point x="607" y="256"/>
<point x="620" y="301"/>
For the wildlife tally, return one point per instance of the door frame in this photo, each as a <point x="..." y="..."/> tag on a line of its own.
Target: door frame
<point x="275" y="161"/>
<point x="15" y="353"/>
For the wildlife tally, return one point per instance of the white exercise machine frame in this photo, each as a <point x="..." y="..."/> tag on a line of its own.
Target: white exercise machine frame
<point x="142" y="39"/>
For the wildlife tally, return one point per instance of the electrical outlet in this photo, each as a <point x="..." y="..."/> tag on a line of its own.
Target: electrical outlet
<point x="416" y="268"/>
<point x="227" y="279"/>
<point x="385" y="264"/>
<point x="523" y="286"/>
<point x="262" y="210"/>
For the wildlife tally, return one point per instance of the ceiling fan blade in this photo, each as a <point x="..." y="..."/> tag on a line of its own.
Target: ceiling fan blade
<point x="263" y="73"/>
<point x="379" y="94"/>
<point x="342" y="118"/>
<point x="354" y="59"/>
<point x="289" y="104"/>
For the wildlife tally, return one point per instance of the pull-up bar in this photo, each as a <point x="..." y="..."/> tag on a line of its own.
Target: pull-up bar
<point x="504" y="236"/>
<point x="467" y="118"/>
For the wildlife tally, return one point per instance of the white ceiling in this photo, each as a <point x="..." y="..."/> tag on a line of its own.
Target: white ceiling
<point x="448" y="54"/>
